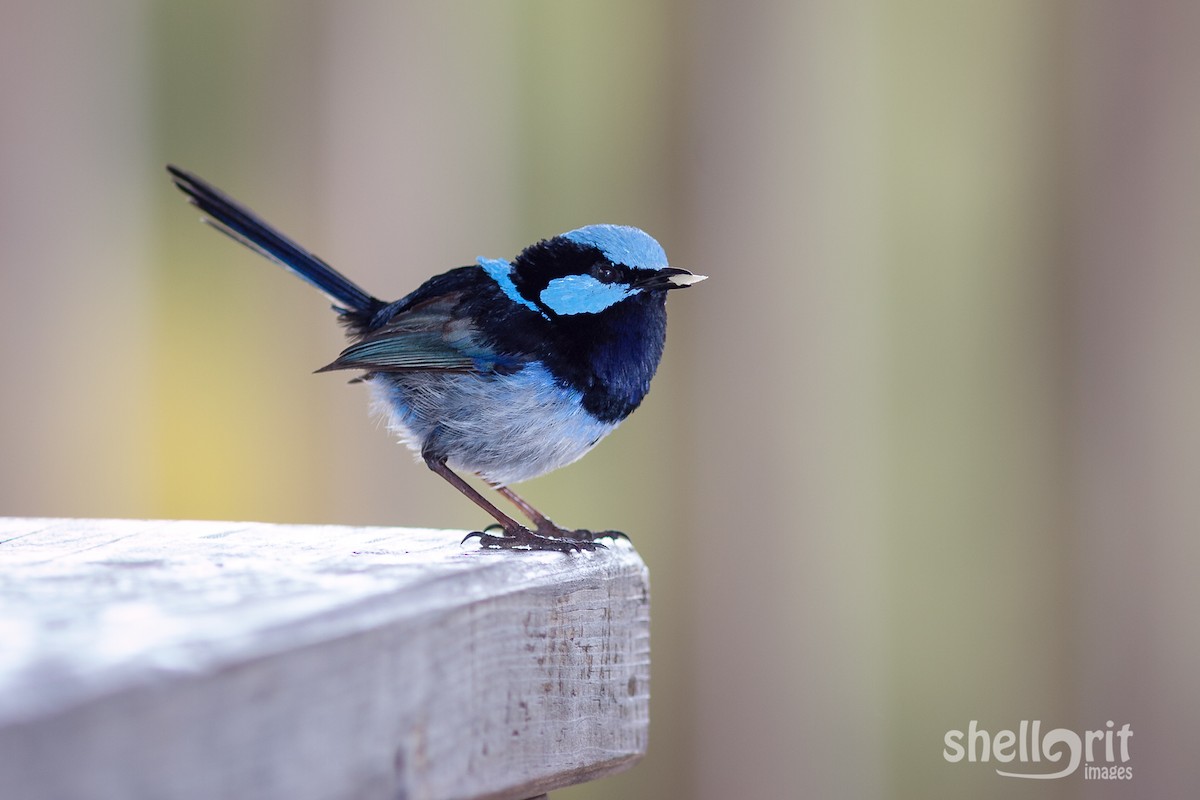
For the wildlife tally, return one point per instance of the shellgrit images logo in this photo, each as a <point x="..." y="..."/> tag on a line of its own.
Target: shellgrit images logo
<point x="1029" y="753"/>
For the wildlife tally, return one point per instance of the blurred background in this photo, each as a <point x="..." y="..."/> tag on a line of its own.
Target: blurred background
<point x="925" y="449"/>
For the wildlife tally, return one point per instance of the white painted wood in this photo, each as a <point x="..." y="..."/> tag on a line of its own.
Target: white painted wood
<point x="151" y="659"/>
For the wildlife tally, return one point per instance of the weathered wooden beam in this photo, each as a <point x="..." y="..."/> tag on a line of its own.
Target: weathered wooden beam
<point x="151" y="659"/>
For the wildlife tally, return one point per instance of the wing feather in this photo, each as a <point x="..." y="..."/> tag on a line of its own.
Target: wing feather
<point x="428" y="335"/>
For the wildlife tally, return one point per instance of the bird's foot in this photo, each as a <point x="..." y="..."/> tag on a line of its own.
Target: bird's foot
<point x="548" y="528"/>
<point x="520" y="538"/>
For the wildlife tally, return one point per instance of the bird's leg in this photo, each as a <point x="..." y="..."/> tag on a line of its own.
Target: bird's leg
<point x="540" y="520"/>
<point x="546" y="527"/>
<point x="516" y="535"/>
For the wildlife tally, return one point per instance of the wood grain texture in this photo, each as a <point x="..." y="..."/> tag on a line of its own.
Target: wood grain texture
<point x="152" y="659"/>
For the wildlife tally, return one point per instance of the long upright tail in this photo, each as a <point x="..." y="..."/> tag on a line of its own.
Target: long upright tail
<point x="238" y="222"/>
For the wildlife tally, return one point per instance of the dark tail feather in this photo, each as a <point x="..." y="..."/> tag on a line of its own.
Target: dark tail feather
<point x="241" y="224"/>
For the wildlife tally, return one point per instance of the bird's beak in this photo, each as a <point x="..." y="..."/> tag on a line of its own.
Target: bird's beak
<point x="671" y="278"/>
<point x="681" y="278"/>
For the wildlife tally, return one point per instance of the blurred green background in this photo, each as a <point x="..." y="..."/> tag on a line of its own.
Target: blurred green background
<point x="925" y="449"/>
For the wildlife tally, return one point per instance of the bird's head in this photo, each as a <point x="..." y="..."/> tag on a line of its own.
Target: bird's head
<point x="588" y="270"/>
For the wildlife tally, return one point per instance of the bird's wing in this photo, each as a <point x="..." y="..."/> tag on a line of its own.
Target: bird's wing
<point x="426" y="335"/>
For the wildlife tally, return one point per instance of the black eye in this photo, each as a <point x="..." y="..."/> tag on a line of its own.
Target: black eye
<point x="605" y="272"/>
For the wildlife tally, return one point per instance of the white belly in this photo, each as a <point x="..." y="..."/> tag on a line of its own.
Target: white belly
<point x="506" y="428"/>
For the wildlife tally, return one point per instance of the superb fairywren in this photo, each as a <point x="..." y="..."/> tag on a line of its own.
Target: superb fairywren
<point x="505" y="369"/>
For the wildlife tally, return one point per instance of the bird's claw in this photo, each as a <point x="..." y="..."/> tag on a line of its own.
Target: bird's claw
<point x="525" y="539"/>
<point x="579" y="534"/>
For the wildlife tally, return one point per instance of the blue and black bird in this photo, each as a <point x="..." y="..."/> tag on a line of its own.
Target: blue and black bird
<point x="505" y="369"/>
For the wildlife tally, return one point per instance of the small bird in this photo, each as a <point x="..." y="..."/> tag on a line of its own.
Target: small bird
<point x="508" y="370"/>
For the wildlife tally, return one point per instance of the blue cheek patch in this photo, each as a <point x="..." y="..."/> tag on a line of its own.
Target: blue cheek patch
<point x="582" y="294"/>
<point x="621" y="244"/>
<point x="500" y="271"/>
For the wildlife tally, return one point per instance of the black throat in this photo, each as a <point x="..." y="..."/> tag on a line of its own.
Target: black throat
<point x="610" y="357"/>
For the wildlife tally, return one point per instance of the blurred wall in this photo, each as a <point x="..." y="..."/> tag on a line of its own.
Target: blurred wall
<point x="923" y="450"/>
